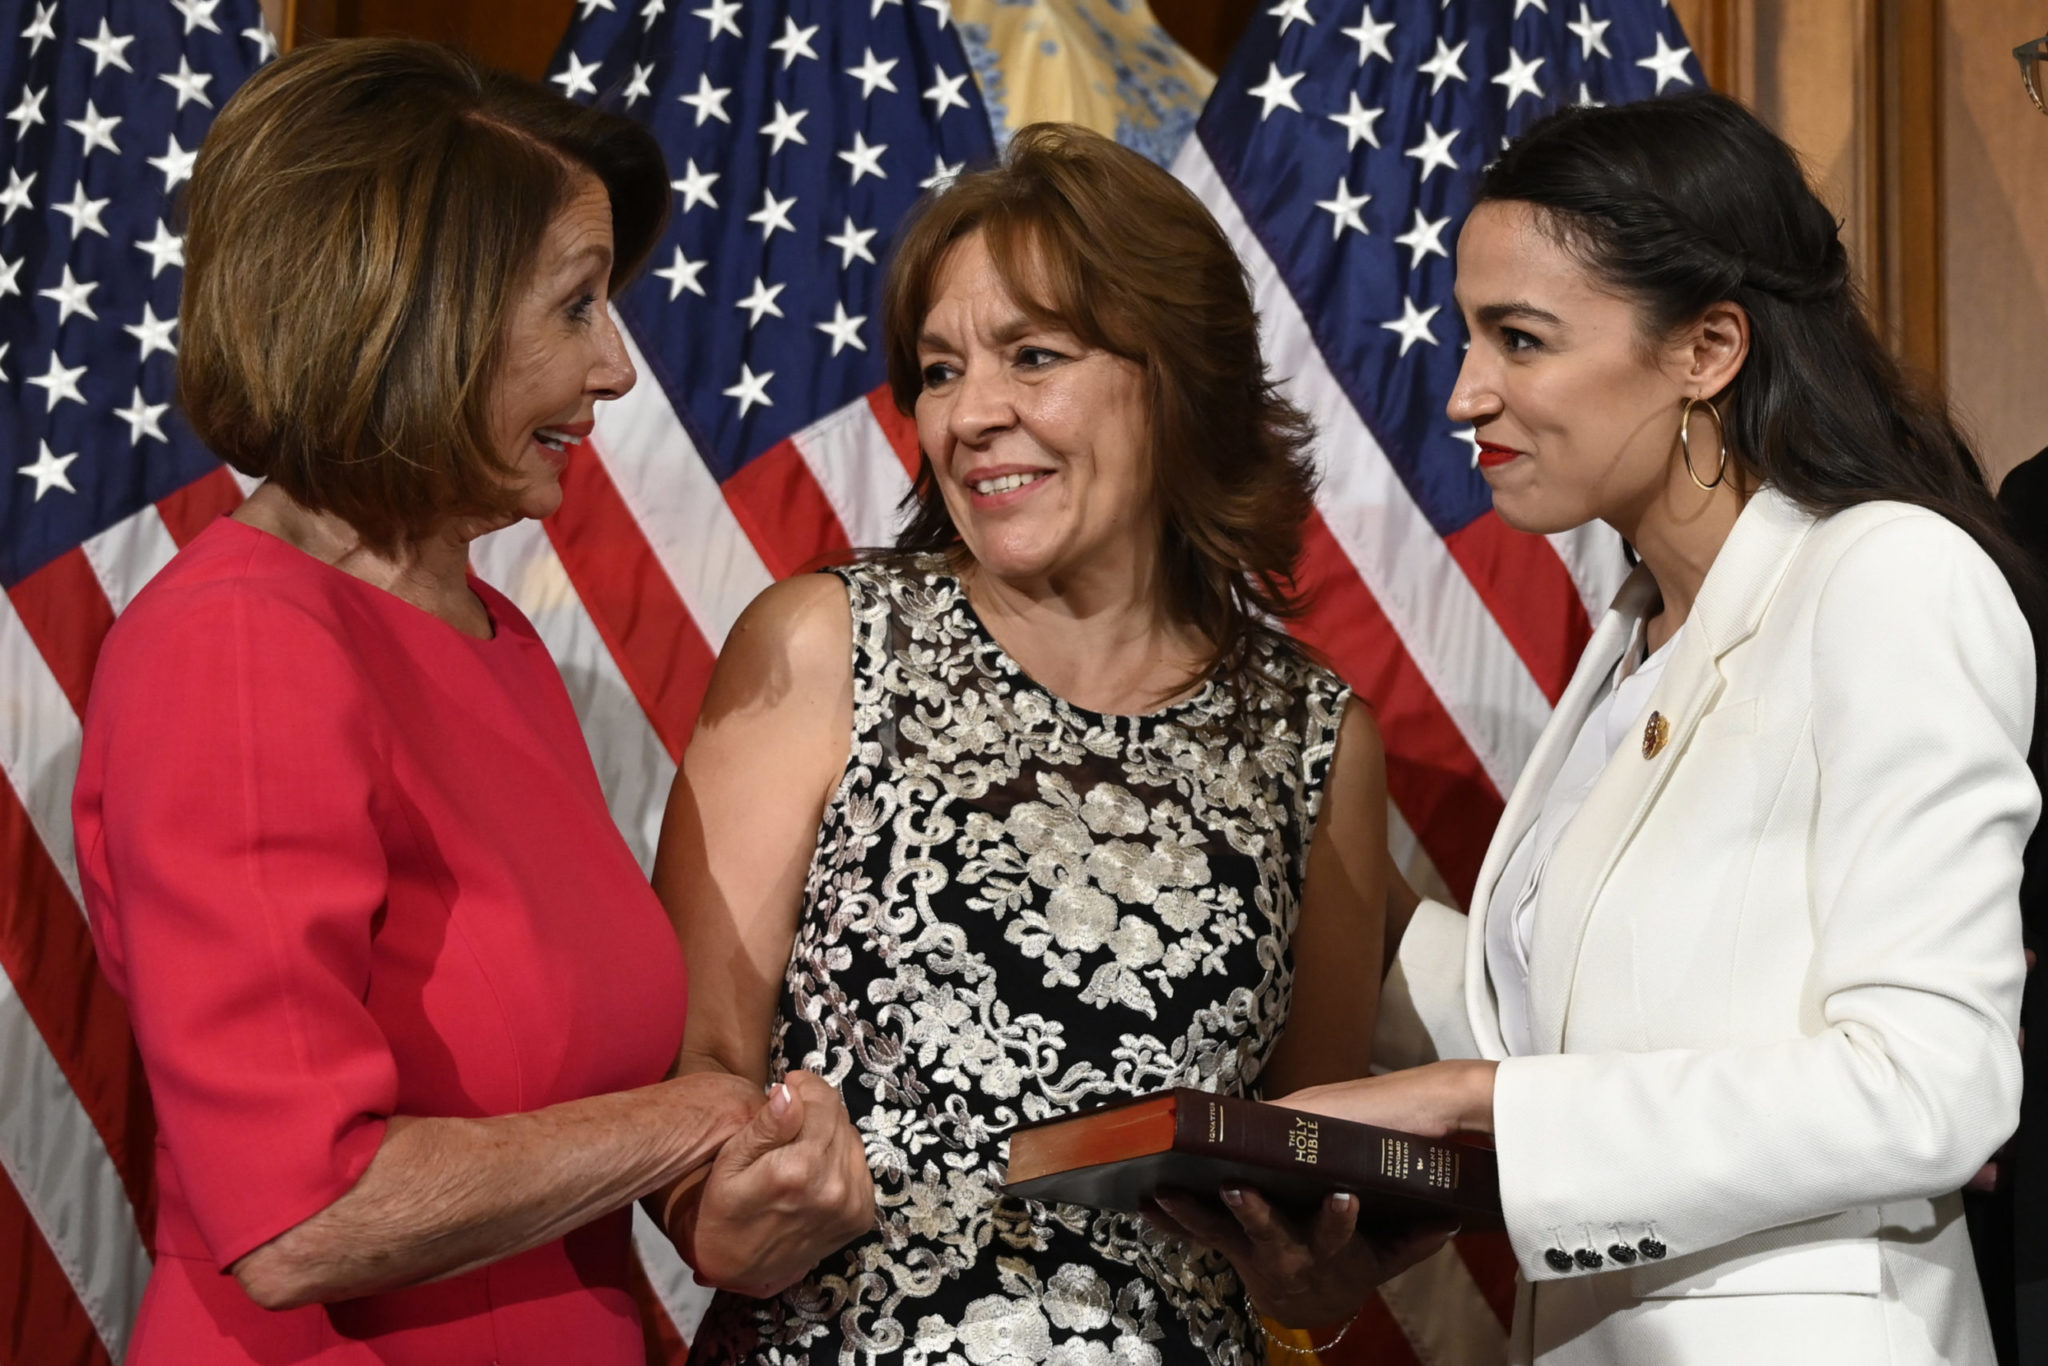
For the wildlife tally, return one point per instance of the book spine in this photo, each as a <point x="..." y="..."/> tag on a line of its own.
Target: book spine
<point x="1355" y="1156"/>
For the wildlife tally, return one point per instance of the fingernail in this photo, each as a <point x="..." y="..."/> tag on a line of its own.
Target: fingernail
<point x="1341" y="1201"/>
<point x="1232" y="1196"/>
<point x="779" y="1099"/>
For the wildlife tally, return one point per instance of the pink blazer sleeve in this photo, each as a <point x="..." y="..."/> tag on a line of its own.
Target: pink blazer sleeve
<point x="229" y="836"/>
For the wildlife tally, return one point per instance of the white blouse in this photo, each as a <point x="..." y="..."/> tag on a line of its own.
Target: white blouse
<point x="1617" y="719"/>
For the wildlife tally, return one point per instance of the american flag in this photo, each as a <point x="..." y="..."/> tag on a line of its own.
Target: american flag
<point x="1339" y="151"/>
<point x="106" y="104"/>
<point x="758" y="440"/>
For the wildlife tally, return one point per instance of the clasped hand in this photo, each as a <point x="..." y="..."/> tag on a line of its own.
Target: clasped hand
<point x="785" y="1191"/>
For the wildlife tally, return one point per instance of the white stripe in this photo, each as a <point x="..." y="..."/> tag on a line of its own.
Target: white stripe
<point x="248" y="484"/>
<point x="1445" y="1318"/>
<point x="128" y="554"/>
<point x="1412" y="859"/>
<point x="66" y="1179"/>
<point x="39" y="741"/>
<point x="670" y="1276"/>
<point x="680" y="507"/>
<point x="1453" y="638"/>
<point x="1592" y="555"/>
<point x="849" y="455"/>
<point x="632" y="763"/>
<point x="48" y="1145"/>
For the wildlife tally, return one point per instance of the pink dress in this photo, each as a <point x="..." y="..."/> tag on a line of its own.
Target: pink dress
<point x="345" y="863"/>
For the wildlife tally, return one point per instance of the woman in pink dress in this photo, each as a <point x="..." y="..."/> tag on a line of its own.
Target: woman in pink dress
<point x="404" y="998"/>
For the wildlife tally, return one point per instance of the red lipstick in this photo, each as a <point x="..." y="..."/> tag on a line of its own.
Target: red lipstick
<point x="1492" y="455"/>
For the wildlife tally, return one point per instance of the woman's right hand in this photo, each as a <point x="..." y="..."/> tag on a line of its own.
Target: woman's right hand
<point x="785" y="1191"/>
<point x="1312" y="1277"/>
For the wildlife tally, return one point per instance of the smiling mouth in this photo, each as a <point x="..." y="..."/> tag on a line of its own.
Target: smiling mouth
<point x="1006" y="483"/>
<point x="555" y="439"/>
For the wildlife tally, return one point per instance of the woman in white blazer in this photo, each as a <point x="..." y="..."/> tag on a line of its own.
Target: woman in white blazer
<point x="1738" y="992"/>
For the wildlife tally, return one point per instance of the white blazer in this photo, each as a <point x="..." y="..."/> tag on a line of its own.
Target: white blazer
<point x="1776" y="968"/>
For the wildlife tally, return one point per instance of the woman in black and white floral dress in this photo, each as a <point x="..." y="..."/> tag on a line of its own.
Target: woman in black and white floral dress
<point x="1036" y="812"/>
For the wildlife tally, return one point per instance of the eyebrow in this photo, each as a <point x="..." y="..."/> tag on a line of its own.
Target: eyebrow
<point x="1516" y="308"/>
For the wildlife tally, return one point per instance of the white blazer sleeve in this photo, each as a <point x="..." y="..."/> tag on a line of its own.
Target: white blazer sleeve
<point x="1923" y="700"/>
<point x="1422" y="1002"/>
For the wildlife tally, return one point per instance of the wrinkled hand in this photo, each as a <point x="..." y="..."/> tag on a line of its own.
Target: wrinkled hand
<point x="1306" y="1277"/>
<point x="785" y="1191"/>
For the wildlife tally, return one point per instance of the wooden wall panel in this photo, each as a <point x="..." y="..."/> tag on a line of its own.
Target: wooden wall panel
<point x="1208" y="29"/>
<point x="1810" y="80"/>
<point x="518" y="35"/>
<point x="1721" y="38"/>
<point x="1856" y="86"/>
<point x="1903" y="107"/>
<point x="1994" y="211"/>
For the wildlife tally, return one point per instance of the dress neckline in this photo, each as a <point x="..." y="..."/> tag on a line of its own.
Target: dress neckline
<point x="322" y="568"/>
<point x="1201" y="697"/>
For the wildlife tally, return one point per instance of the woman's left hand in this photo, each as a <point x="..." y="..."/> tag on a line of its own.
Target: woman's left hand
<point x="1433" y="1100"/>
<point x="1315" y="1277"/>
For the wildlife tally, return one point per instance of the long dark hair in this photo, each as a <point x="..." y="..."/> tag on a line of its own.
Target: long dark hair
<point x="1685" y="202"/>
<point x="1092" y="236"/>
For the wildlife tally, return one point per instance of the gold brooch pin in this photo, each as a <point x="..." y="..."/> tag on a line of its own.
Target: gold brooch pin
<point x="1655" y="734"/>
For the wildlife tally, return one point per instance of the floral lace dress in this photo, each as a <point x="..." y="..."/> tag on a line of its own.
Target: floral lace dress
<point x="1018" y="908"/>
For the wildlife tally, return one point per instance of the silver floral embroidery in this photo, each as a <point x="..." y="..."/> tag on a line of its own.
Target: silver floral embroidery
<point x="1017" y="908"/>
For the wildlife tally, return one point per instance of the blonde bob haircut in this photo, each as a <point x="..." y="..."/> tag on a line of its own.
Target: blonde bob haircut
<point x="1092" y="238"/>
<point x="362" y="218"/>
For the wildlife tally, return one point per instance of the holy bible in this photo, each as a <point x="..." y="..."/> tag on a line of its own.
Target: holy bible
<point x="1117" y="1155"/>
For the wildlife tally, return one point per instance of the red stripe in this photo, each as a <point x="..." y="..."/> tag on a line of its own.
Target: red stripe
<point x="785" y="513"/>
<point x="900" y="428"/>
<point x="1374" y="1339"/>
<point x="1432" y="774"/>
<point x="46" y="951"/>
<point x="192" y="508"/>
<point x="41" y="1319"/>
<point x="1530" y="593"/>
<point x="663" y="655"/>
<point x="67" y="615"/>
<point x="1491" y="1260"/>
<point x="665" y="1345"/>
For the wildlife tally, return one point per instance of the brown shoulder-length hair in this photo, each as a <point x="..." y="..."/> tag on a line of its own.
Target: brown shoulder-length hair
<point x="1093" y="237"/>
<point x="361" y="218"/>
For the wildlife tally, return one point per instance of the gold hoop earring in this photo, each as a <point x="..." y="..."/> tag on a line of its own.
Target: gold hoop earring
<point x="1685" y="443"/>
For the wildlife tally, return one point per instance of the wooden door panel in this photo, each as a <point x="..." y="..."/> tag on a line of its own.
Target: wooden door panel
<point x="518" y="35"/>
